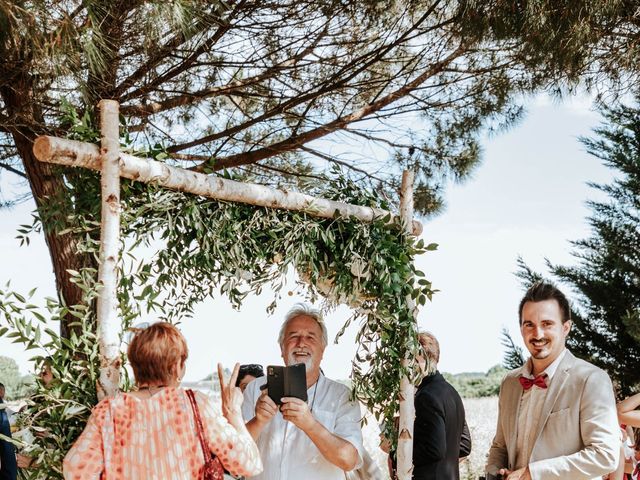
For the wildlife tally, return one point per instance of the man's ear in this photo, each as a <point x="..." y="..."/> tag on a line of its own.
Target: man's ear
<point x="566" y="326"/>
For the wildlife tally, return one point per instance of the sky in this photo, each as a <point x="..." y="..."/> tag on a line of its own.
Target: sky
<point x="527" y="199"/>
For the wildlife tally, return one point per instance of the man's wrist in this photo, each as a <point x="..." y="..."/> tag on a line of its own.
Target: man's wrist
<point x="311" y="427"/>
<point x="254" y="427"/>
<point x="258" y="422"/>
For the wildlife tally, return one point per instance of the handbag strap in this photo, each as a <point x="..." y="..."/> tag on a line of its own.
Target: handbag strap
<point x="199" y="427"/>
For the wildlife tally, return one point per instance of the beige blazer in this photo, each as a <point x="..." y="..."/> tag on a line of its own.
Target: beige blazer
<point x="578" y="434"/>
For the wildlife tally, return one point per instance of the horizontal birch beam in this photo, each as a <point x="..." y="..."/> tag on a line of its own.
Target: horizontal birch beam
<point x="80" y="154"/>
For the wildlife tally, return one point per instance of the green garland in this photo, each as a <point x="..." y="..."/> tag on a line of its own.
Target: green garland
<point x="236" y="250"/>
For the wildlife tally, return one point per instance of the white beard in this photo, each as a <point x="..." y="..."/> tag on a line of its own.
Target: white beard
<point x="308" y="362"/>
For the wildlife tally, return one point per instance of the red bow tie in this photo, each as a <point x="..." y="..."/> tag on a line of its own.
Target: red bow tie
<point x="540" y="381"/>
<point x="636" y="471"/>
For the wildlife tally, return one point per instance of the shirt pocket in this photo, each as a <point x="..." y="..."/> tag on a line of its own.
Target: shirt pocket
<point x="307" y="448"/>
<point x="560" y="413"/>
<point x="559" y="426"/>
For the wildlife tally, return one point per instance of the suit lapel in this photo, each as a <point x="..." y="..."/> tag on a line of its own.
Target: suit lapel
<point x="557" y="382"/>
<point x="515" y="396"/>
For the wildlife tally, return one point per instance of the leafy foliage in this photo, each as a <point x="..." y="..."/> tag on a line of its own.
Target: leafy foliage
<point x="55" y="415"/>
<point x="279" y="91"/>
<point x="205" y="248"/>
<point x="276" y="92"/>
<point x="592" y="41"/>
<point x="606" y="278"/>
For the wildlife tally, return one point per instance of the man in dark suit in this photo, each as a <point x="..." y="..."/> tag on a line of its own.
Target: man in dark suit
<point x="440" y="436"/>
<point x="8" y="467"/>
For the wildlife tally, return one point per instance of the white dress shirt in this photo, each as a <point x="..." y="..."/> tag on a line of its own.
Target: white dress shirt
<point x="287" y="453"/>
<point x="531" y="405"/>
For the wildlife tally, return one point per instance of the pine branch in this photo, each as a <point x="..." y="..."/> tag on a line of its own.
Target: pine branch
<point x="233" y="88"/>
<point x="296" y="142"/>
<point x="11" y="169"/>
<point x="172" y="73"/>
<point x="338" y="81"/>
<point x="513" y="355"/>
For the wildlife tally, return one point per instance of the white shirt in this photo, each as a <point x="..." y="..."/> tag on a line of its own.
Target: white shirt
<point x="531" y="404"/>
<point x="550" y="371"/>
<point x="287" y="453"/>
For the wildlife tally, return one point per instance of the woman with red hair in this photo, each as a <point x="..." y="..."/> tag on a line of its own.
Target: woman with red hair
<point x="161" y="431"/>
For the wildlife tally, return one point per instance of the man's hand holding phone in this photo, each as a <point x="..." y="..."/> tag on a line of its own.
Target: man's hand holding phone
<point x="266" y="408"/>
<point x="297" y="412"/>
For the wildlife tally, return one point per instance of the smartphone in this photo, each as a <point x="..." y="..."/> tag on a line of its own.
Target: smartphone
<point x="288" y="381"/>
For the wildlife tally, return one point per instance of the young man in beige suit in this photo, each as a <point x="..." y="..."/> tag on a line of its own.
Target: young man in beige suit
<point x="557" y="413"/>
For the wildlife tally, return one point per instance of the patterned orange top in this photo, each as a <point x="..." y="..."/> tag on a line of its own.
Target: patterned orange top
<point x="130" y="438"/>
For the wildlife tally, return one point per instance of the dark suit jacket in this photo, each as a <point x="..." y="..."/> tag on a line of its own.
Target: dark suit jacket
<point x="8" y="467"/>
<point x="438" y="431"/>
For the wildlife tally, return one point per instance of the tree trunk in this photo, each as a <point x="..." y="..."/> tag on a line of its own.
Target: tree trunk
<point x="46" y="185"/>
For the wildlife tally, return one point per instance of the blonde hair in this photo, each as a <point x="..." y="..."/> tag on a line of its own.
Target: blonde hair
<point x="430" y="347"/>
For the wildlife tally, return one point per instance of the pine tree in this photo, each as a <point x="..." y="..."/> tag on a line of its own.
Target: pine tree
<point x="591" y="42"/>
<point x="278" y="92"/>
<point x="606" y="279"/>
<point x="281" y="91"/>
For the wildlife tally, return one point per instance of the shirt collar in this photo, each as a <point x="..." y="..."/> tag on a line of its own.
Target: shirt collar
<point x="312" y="387"/>
<point x="550" y="370"/>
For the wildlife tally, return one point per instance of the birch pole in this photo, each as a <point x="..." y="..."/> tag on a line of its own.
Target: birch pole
<point x="79" y="154"/>
<point x="407" y="389"/>
<point x="108" y="322"/>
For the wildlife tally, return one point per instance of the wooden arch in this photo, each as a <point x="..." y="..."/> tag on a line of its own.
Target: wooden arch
<point x="114" y="164"/>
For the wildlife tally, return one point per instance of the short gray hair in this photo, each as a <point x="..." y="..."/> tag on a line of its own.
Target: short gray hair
<point x="299" y="310"/>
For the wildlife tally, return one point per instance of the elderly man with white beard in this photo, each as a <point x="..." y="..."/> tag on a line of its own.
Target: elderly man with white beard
<point x="315" y="440"/>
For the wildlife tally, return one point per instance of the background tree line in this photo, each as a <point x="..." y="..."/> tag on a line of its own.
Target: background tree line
<point x="478" y="384"/>
<point x="16" y="384"/>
